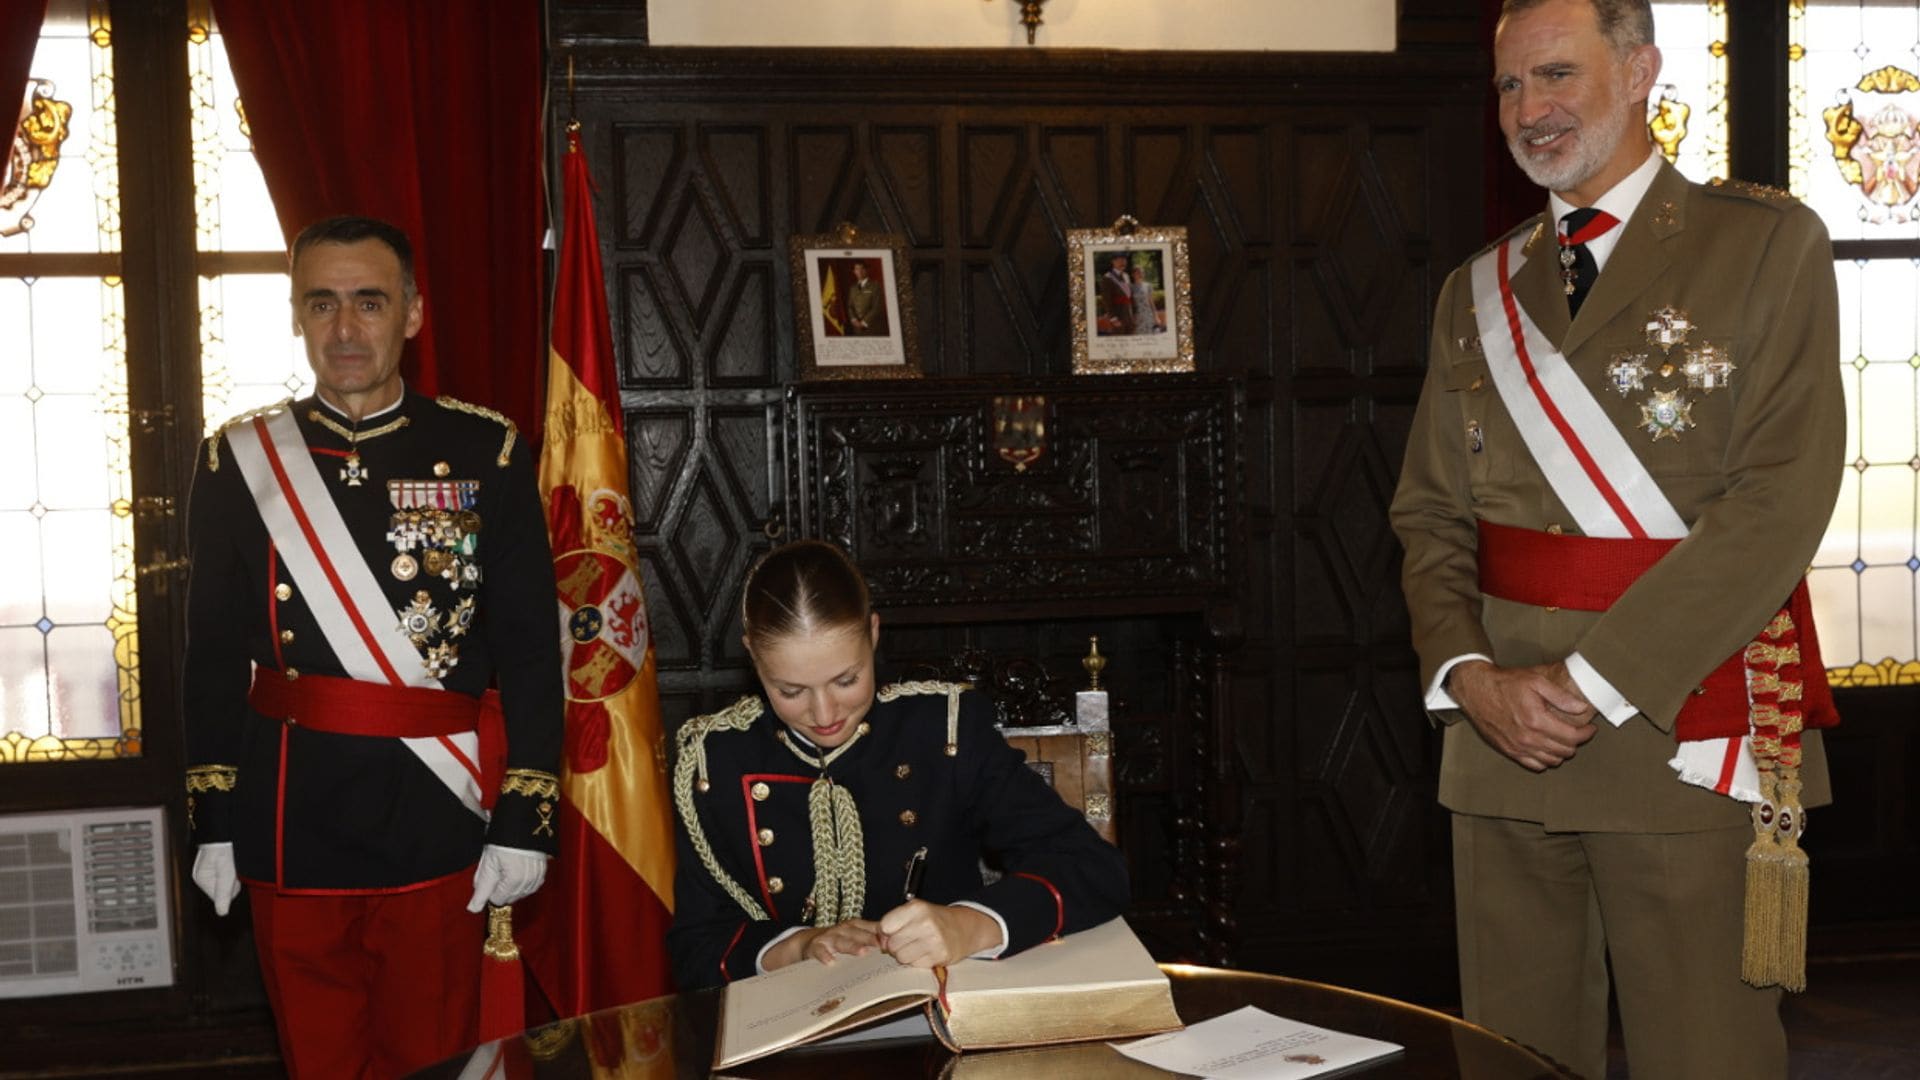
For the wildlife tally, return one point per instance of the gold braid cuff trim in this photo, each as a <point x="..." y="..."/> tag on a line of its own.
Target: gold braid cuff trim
<point x="953" y="690"/>
<point x="540" y="785"/>
<point x="691" y="758"/>
<point x="506" y="448"/>
<point x="211" y="778"/>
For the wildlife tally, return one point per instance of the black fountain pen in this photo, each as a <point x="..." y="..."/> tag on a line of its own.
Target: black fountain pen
<point x="916" y="872"/>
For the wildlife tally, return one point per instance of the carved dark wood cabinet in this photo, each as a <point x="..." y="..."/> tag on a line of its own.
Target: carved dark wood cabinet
<point x="1001" y="520"/>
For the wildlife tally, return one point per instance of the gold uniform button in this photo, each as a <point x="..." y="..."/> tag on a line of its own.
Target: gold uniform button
<point x="1554" y="530"/>
<point x="286" y="637"/>
<point x="292" y="674"/>
<point x="1478" y="382"/>
<point x="440" y="468"/>
<point x="283" y="591"/>
<point x="291" y="721"/>
<point x="775" y="885"/>
<point x="760" y="791"/>
<point x="766" y="837"/>
<point x="909" y="818"/>
<point x="902" y="770"/>
<point x="1699" y="691"/>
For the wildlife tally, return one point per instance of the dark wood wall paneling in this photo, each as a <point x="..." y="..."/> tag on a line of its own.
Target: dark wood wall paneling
<point x="1326" y="197"/>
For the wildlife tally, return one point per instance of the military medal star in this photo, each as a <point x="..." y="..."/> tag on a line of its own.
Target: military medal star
<point x="1665" y="414"/>
<point x="1627" y="372"/>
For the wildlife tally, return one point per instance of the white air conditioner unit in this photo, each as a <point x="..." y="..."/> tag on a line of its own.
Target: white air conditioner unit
<point x="83" y="902"/>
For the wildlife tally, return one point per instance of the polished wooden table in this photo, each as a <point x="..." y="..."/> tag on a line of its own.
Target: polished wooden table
<point x="673" y="1037"/>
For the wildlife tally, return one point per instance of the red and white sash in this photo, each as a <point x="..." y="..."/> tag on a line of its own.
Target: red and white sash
<point x="340" y="588"/>
<point x="1589" y="466"/>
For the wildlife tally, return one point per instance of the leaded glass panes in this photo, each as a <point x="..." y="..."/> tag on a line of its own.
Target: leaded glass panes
<point x="68" y="198"/>
<point x="1854" y="156"/>
<point x="67" y="609"/>
<point x="1687" y="111"/>
<point x="231" y="209"/>
<point x="248" y="356"/>
<point x="1864" y="578"/>
<point x="1854" y="96"/>
<point x="69" y="683"/>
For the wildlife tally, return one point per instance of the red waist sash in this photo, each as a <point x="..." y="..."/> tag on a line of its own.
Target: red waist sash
<point x="1589" y="573"/>
<point x="352" y="707"/>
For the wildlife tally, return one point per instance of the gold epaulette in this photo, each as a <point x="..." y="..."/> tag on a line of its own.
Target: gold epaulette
<point x="952" y="690"/>
<point x="213" y="440"/>
<point x="506" y="447"/>
<point x="1534" y="223"/>
<point x="690" y="760"/>
<point x="1758" y="192"/>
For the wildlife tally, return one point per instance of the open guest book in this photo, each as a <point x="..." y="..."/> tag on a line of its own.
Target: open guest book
<point x="1097" y="984"/>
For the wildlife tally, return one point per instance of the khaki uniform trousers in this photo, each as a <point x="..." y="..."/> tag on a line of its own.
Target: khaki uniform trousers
<point x="1541" y="915"/>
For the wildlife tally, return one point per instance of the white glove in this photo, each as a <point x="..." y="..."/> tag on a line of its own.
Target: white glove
<point x="506" y="874"/>
<point x="214" y="872"/>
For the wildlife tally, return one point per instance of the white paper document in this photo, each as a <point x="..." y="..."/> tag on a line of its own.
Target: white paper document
<point x="1254" y="1045"/>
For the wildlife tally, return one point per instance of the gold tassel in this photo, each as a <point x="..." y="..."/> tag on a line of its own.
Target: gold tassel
<point x="1756" y="945"/>
<point x="500" y="944"/>
<point x="1774" y="947"/>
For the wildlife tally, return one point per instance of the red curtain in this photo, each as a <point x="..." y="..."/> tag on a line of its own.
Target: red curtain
<point x="426" y="114"/>
<point x="19" y="33"/>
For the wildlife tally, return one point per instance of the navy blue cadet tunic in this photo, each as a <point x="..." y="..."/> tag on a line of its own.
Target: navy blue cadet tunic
<point x="981" y="800"/>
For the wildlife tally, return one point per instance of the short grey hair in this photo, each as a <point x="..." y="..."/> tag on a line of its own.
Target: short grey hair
<point x="1626" y="24"/>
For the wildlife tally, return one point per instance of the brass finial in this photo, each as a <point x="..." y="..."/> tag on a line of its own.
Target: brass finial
<point x="1030" y="17"/>
<point x="1093" y="662"/>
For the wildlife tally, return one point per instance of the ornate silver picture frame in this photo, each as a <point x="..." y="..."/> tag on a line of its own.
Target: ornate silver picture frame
<point x="1132" y="297"/>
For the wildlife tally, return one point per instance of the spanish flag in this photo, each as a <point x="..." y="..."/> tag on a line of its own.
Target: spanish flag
<point x="829" y="301"/>
<point x="595" y="935"/>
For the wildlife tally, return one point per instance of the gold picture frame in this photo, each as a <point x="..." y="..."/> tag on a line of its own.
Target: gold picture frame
<point x="853" y="306"/>
<point x="1132" y="296"/>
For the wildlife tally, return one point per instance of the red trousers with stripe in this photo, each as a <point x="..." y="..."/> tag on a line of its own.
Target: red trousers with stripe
<point x="370" y="985"/>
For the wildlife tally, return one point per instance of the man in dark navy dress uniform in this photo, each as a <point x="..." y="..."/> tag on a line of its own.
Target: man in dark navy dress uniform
<point x="365" y="564"/>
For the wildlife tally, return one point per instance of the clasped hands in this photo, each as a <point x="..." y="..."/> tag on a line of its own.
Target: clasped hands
<point x="917" y="934"/>
<point x="1536" y="716"/>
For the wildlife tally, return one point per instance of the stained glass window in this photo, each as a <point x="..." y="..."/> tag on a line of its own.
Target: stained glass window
<point x="1854" y="156"/>
<point x="248" y="355"/>
<point x="1687" y="111"/>
<point x="69" y="671"/>
<point x="69" y="646"/>
<point x="1854" y="97"/>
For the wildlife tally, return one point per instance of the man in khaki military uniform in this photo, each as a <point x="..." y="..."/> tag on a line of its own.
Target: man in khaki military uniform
<point x="1661" y="375"/>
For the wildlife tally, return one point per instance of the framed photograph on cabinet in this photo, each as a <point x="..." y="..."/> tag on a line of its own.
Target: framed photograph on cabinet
<point x="1132" y="299"/>
<point x="852" y="307"/>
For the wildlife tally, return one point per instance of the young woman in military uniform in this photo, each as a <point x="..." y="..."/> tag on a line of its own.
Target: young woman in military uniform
<point x="830" y="816"/>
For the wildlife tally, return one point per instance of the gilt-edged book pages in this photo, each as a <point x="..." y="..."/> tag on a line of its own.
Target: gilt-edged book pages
<point x="1097" y="984"/>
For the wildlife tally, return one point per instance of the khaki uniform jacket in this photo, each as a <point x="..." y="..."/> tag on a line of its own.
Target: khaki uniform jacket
<point x="1755" y="480"/>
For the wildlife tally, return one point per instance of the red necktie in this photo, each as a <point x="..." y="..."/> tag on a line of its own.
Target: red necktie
<point x="1577" y="266"/>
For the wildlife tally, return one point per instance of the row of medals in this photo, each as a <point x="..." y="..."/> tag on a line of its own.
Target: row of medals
<point x="447" y="543"/>
<point x="1665" y="414"/>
